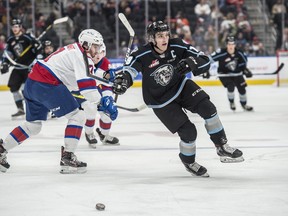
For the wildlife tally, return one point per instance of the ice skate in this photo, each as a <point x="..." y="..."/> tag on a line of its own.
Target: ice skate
<point x="229" y="154"/>
<point x="232" y="106"/>
<point x="247" y="108"/>
<point x="69" y="163"/>
<point x="196" y="169"/>
<point x="107" y="140"/>
<point x="4" y="165"/>
<point x="91" y="139"/>
<point x="20" y="114"/>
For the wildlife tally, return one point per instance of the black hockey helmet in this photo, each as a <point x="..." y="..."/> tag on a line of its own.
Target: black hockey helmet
<point x="154" y="28"/>
<point x="47" y="43"/>
<point x="16" y="22"/>
<point x="230" y="39"/>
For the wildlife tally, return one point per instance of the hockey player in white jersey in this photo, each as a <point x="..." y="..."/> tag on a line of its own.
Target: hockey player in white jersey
<point x="49" y="87"/>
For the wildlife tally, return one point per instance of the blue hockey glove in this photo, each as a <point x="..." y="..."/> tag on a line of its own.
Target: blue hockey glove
<point x="107" y="106"/>
<point x="247" y="73"/>
<point x="111" y="73"/>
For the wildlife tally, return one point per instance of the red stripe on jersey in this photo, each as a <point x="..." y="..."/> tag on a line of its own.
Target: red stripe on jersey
<point x="103" y="125"/>
<point x="73" y="131"/>
<point x="86" y="84"/>
<point x="106" y="65"/>
<point x="19" y="134"/>
<point x="41" y="74"/>
<point x="90" y="123"/>
<point x="104" y="88"/>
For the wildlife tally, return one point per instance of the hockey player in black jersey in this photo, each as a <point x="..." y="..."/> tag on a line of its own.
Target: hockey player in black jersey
<point x="164" y="63"/>
<point x="232" y="67"/>
<point x="22" y="49"/>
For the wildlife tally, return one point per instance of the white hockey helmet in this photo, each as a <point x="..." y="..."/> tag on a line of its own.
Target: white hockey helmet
<point x="88" y="37"/>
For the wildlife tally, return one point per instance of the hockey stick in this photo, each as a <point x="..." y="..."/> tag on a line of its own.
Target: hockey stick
<point x="14" y="63"/>
<point x="254" y="74"/>
<point x="55" y="22"/>
<point x="131" y="31"/>
<point x="273" y="73"/>
<point x="136" y="109"/>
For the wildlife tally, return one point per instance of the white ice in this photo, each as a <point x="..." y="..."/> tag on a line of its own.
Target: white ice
<point x="144" y="176"/>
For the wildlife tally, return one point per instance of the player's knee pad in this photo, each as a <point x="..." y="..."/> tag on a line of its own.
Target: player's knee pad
<point x="89" y="109"/>
<point x="76" y="117"/>
<point x="32" y="128"/>
<point x="187" y="132"/>
<point x="206" y="109"/>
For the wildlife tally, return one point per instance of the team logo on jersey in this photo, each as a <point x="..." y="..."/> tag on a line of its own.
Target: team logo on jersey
<point x="154" y="63"/>
<point x="163" y="74"/>
<point x="232" y="65"/>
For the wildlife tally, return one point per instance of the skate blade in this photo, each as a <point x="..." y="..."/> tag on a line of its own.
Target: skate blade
<point x="72" y="170"/>
<point x="110" y="144"/>
<point x="205" y="175"/>
<point x="3" y="169"/>
<point x="224" y="159"/>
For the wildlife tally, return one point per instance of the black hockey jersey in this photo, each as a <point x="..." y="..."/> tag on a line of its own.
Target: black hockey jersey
<point x="24" y="49"/>
<point x="228" y="63"/>
<point x="160" y="83"/>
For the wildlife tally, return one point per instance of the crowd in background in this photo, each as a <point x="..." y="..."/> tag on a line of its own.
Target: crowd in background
<point x="196" y="24"/>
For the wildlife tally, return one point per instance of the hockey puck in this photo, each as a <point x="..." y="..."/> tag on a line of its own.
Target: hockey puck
<point x="100" y="207"/>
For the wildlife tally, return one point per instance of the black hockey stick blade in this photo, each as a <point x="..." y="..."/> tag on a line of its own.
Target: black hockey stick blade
<point x="136" y="109"/>
<point x="273" y="73"/>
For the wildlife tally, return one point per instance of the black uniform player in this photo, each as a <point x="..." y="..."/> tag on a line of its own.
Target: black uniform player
<point x="164" y="63"/>
<point x="232" y="65"/>
<point x="22" y="48"/>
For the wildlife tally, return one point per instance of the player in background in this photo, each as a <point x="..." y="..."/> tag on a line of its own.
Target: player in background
<point x="49" y="87"/>
<point x="232" y="66"/>
<point x="48" y="48"/>
<point x="102" y="69"/>
<point x="23" y="49"/>
<point x="164" y="63"/>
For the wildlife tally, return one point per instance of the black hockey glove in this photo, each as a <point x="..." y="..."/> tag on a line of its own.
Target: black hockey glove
<point x="247" y="73"/>
<point x="206" y="75"/>
<point x="4" y="68"/>
<point x="122" y="82"/>
<point x="186" y="65"/>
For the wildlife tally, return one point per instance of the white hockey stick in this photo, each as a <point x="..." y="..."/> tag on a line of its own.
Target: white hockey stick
<point x="131" y="31"/>
<point x="14" y="63"/>
<point x="127" y="25"/>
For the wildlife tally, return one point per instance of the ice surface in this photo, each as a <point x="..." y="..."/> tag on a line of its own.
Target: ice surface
<point x="144" y="176"/>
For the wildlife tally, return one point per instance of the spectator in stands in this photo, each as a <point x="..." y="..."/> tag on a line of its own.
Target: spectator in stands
<point x="203" y="12"/>
<point x="2" y="44"/>
<point x="209" y="37"/>
<point x="244" y="26"/>
<point x="277" y="9"/>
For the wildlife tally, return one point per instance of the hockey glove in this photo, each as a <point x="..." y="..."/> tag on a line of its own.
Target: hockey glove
<point x="206" y="75"/>
<point x="186" y="65"/>
<point x="111" y="73"/>
<point x="4" y="68"/>
<point x="247" y="73"/>
<point x="107" y="106"/>
<point x="121" y="83"/>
